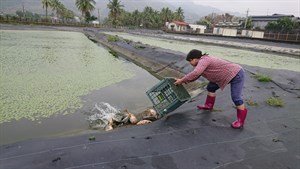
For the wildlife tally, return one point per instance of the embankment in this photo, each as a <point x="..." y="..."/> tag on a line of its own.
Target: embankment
<point x="159" y="62"/>
<point x="167" y="63"/>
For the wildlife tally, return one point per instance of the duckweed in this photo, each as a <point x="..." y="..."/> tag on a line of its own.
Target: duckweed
<point x="275" y="101"/>
<point x="45" y="73"/>
<point x="247" y="57"/>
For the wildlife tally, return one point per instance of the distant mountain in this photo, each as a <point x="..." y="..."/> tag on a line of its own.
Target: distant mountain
<point x="192" y="12"/>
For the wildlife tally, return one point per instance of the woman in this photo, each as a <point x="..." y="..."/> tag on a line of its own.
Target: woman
<point x="219" y="73"/>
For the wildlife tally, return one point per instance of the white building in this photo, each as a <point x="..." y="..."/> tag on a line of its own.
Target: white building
<point x="253" y="34"/>
<point x="197" y="28"/>
<point x="225" y="31"/>
<point x="95" y="23"/>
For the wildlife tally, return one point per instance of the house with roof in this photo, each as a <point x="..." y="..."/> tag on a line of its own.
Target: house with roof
<point x="177" y="26"/>
<point x="262" y="21"/>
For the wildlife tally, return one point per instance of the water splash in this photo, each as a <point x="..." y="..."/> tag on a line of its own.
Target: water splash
<point x="103" y="114"/>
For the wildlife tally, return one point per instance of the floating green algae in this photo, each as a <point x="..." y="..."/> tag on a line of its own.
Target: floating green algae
<point x="46" y="72"/>
<point x="247" y="57"/>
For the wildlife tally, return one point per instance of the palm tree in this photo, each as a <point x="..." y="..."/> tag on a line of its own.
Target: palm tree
<point x="85" y="6"/>
<point x="57" y="6"/>
<point x="166" y="14"/>
<point x="147" y="16"/>
<point x="115" y="10"/>
<point x="46" y="3"/>
<point x="136" y="15"/>
<point x="179" y="14"/>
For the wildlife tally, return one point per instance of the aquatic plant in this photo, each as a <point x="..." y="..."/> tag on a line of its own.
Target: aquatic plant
<point x="113" y="38"/>
<point x="114" y="53"/>
<point x="251" y="102"/>
<point x="263" y="78"/>
<point x="275" y="101"/>
<point x="139" y="46"/>
<point x="44" y="74"/>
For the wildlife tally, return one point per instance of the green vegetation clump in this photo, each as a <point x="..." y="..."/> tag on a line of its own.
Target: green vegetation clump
<point x="263" y="78"/>
<point x="250" y="102"/>
<point x="275" y="101"/>
<point x="113" y="38"/>
<point x="92" y="138"/>
<point x="114" y="53"/>
<point x="139" y="47"/>
<point x="128" y="41"/>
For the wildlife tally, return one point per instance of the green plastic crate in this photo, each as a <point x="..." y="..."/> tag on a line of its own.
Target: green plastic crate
<point x="166" y="96"/>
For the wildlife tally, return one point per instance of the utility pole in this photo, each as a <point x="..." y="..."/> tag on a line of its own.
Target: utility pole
<point x="246" y="18"/>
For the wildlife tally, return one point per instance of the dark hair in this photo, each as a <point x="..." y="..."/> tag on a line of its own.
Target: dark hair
<point x="194" y="54"/>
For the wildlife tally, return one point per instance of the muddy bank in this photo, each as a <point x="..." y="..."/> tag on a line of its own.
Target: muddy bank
<point x="159" y="62"/>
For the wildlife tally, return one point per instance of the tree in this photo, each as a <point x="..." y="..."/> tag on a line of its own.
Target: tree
<point x="148" y="14"/>
<point x="249" y="24"/>
<point x="85" y="6"/>
<point x="166" y="14"/>
<point x="115" y="11"/>
<point x="227" y="17"/>
<point x="136" y="17"/>
<point x="284" y="24"/>
<point x="46" y="4"/>
<point x="58" y="7"/>
<point x="178" y="15"/>
<point x="205" y="22"/>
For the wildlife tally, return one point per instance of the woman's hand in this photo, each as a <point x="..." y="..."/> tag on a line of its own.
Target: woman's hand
<point x="178" y="82"/>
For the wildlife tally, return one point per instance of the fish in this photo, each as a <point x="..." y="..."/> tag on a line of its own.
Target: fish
<point x="142" y="122"/>
<point x="109" y="126"/>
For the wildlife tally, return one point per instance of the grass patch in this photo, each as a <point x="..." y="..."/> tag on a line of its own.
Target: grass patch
<point x="128" y="41"/>
<point x="275" y="101"/>
<point x="114" y="53"/>
<point x="92" y="138"/>
<point x="113" y="38"/>
<point x="263" y="78"/>
<point x="139" y="47"/>
<point x="251" y="102"/>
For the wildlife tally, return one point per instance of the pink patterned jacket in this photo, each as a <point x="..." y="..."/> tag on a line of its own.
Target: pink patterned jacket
<point x="215" y="70"/>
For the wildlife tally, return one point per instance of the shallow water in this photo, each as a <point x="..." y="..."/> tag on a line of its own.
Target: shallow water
<point x="49" y="78"/>
<point x="43" y="73"/>
<point x="246" y="57"/>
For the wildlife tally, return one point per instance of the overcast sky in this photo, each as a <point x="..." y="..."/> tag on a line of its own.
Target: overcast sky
<point x="256" y="7"/>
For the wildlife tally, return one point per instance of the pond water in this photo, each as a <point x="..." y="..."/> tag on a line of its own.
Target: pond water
<point x="246" y="57"/>
<point x="49" y="78"/>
